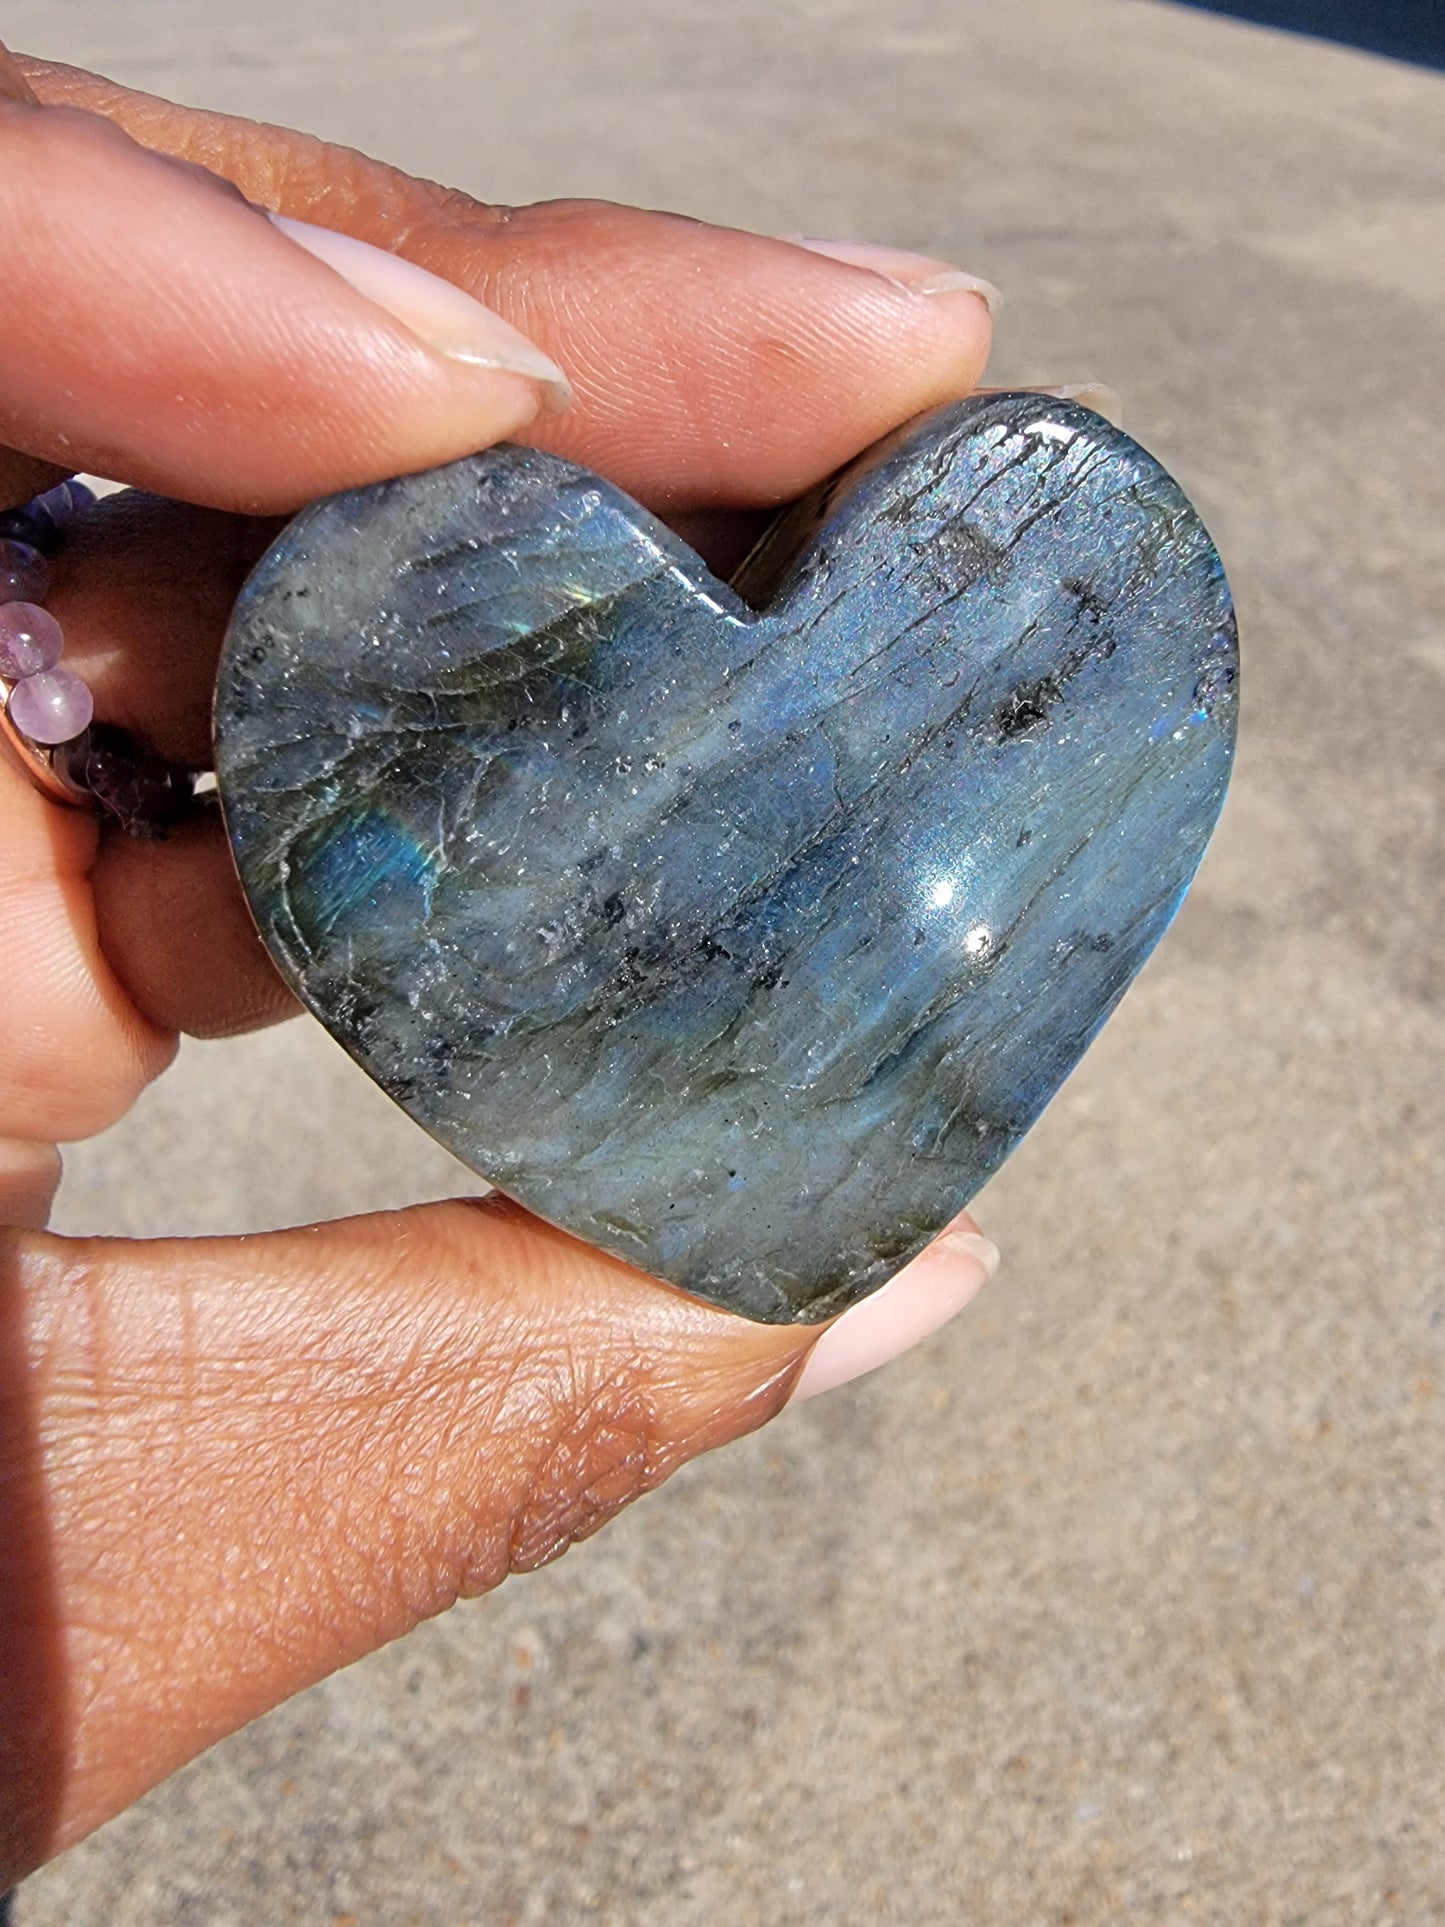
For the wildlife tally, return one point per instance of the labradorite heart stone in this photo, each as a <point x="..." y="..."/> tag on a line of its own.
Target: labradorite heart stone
<point x="744" y="934"/>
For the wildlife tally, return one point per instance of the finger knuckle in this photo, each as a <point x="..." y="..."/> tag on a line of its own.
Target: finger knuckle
<point x="603" y="1456"/>
<point x="603" y="1449"/>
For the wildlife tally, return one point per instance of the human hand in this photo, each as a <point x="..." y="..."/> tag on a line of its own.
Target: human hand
<point x="229" y="1466"/>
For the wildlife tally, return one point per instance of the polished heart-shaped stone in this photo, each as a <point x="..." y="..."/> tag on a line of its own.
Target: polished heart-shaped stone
<point x="740" y="930"/>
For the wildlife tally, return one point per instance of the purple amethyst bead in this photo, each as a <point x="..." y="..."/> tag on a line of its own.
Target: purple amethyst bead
<point x="30" y="640"/>
<point x="43" y="518"/>
<point x="56" y="502"/>
<point x="126" y="781"/>
<point x="51" y="707"/>
<point x="24" y="525"/>
<point x="23" y="574"/>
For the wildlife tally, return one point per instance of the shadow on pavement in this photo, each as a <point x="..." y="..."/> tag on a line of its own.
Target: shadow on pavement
<point x="1404" y="29"/>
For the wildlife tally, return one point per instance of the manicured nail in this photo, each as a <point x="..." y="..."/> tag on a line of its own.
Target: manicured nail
<point x="916" y="271"/>
<point x="938" y="1283"/>
<point x="1097" y="396"/>
<point x="438" y="311"/>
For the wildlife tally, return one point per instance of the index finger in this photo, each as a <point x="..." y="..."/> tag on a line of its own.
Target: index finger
<point x="712" y="368"/>
<point x="21" y="476"/>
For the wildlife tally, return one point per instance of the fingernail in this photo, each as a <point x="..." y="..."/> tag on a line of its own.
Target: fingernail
<point x="1097" y="396"/>
<point x="938" y="1283"/>
<point x="438" y="311"/>
<point x="916" y="271"/>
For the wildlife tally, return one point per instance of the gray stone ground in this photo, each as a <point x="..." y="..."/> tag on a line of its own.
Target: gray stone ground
<point x="1122" y="1600"/>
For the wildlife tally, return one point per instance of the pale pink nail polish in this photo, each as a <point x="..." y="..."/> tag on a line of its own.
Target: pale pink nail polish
<point x="918" y="272"/>
<point x="1097" y="396"/>
<point x="437" y="311"/>
<point x="937" y="1285"/>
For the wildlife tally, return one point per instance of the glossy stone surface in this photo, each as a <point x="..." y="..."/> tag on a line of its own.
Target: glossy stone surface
<point x="745" y="944"/>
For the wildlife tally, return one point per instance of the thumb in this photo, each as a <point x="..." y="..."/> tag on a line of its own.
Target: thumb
<point x="230" y="1466"/>
<point x="159" y="329"/>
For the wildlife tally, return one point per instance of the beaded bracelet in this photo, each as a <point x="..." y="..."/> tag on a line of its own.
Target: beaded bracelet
<point x="46" y="711"/>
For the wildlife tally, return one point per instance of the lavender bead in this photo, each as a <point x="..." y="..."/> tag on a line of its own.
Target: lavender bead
<point x="52" y="707"/>
<point x="30" y="640"/>
<point x="23" y="574"/>
<point x="81" y="497"/>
